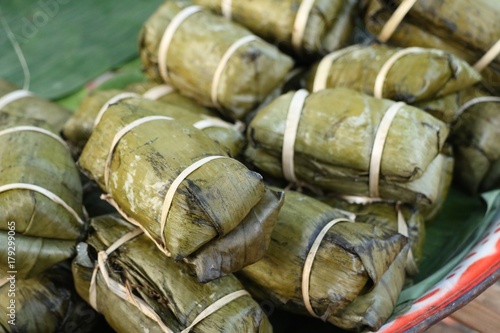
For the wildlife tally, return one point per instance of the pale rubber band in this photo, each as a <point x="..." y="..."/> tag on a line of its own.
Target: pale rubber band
<point x="221" y="302"/>
<point x="34" y="129"/>
<point x="111" y="101"/>
<point x="395" y="20"/>
<point x="125" y="293"/>
<point x="169" y="197"/>
<point x="119" y="135"/>
<point x="119" y="289"/>
<point x="46" y="193"/>
<point x="168" y="35"/>
<point x="487" y="58"/>
<point x="226" y="8"/>
<point x="411" y="264"/>
<point x="223" y="63"/>
<point x="485" y="99"/>
<point x="3" y="282"/>
<point x="208" y="122"/>
<point x="108" y="198"/>
<point x="306" y="272"/>
<point x="352" y="199"/>
<point x="378" y="147"/>
<point x="321" y="76"/>
<point x="382" y="74"/>
<point x="14" y="96"/>
<point x="300" y="23"/>
<point x="158" y="92"/>
<point x="290" y="134"/>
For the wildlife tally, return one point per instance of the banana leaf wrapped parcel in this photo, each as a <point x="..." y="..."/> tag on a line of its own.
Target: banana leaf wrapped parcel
<point x="447" y="25"/>
<point x="22" y="102"/>
<point x="196" y="203"/>
<point x="210" y="59"/>
<point x="40" y="196"/>
<point x="408" y="75"/>
<point x="397" y="217"/>
<point x="79" y="127"/>
<point x="349" y="274"/>
<point x="343" y="141"/>
<point x="47" y="303"/>
<point x="125" y="277"/>
<point x="307" y="27"/>
<point x="475" y="140"/>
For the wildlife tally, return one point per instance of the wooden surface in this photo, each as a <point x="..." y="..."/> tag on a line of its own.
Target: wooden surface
<point x="481" y="315"/>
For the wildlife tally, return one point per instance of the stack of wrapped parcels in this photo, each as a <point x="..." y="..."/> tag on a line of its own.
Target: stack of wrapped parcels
<point x="42" y="217"/>
<point x="370" y="139"/>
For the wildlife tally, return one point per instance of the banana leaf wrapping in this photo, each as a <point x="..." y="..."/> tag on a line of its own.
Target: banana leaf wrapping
<point x="430" y="212"/>
<point x="80" y="126"/>
<point x="385" y="214"/>
<point x="45" y="231"/>
<point x="357" y="273"/>
<point x="334" y="141"/>
<point x="421" y="74"/>
<point x="34" y="107"/>
<point x="447" y="25"/>
<point x="475" y="140"/>
<point x="170" y="96"/>
<point x="221" y="215"/>
<point x="165" y="286"/>
<point x="47" y="303"/>
<point x="197" y="54"/>
<point x="328" y="24"/>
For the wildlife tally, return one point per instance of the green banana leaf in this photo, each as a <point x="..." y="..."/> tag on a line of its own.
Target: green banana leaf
<point x="334" y="142"/>
<point x="175" y="294"/>
<point x="79" y="128"/>
<point x="47" y="303"/>
<point x="328" y="27"/>
<point x="420" y="75"/>
<point x="68" y="43"/>
<point x="351" y="272"/>
<point x="385" y="214"/>
<point x="200" y="226"/>
<point x="447" y="25"/>
<point x="196" y="49"/>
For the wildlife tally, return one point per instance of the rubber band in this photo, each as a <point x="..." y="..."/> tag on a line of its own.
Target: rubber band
<point x="221" y="302"/>
<point x="474" y="101"/>
<point x="55" y="198"/>
<point x="168" y="35"/>
<point x="290" y="134"/>
<point x="300" y="23"/>
<point x="14" y="96"/>
<point x="34" y="129"/>
<point x="109" y="199"/>
<point x="382" y="74"/>
<point x="208" y="122"/>
<point x="119" y="135"/>
<point x="321" y="76"/>
<point x="306" y="272"/>
<point x="223" y="63"/>
<point x="125" y="293"/>
<point x="173" y="189"/>
<point x="395" y="20"/>
<point x="411" y="264"/>
<point x="157" y="92"/>
<point x="111" y="101"/>
<point x="487" y="58"/>
<point x="226" y="8"/>
<point x="118" y="289"/>
<point x="378" y="147"/>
